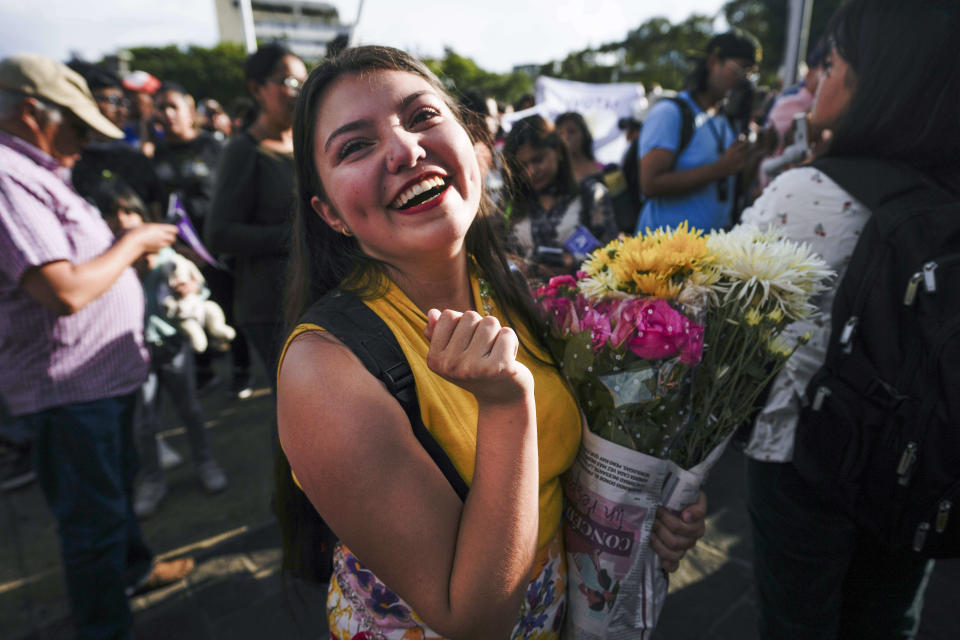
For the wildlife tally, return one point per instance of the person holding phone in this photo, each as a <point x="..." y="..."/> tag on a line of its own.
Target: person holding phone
<point x="689" y="153"/>
<point x="554" y="219"/>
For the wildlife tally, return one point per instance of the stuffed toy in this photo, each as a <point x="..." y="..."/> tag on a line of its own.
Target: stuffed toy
<point x="197" y="315"/>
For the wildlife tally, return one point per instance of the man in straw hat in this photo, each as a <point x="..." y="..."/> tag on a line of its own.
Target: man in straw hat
<point x="71" y="339"/>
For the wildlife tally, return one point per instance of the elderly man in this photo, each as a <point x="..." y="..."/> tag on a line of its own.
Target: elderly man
<point x="71" y="339"/>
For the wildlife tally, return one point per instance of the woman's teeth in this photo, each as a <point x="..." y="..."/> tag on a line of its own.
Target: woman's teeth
<point x="419" y="193"/>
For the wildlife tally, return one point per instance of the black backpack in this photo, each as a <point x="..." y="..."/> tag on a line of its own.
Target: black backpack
<point x="881" y="430"/>
<point x="308" y="553"/>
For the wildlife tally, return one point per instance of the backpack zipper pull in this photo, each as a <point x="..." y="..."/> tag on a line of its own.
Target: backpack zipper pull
<point x="906" y="463"/>
<point x="920" y="536"/>
<point x="929" y="277"/>
<point x="943" y="514"/>
<point x="847" y="334"/>
<point x="822" y="393"/>
<point x="912" y="286"/>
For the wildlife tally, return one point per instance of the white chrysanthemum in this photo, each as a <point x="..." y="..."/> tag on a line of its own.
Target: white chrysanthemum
<point x="757" y="267"/>
<point x="708" y="276"/>
<point x="593" y="264"/>
<point x="604" y="284"/>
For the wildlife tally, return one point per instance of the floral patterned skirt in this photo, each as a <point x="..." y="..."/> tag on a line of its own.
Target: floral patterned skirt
<point x="360" y="607"/>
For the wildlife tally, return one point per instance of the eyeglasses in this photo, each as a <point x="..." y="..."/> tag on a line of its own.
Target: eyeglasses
<point x="290" y="83"/>
<point x="117" y="101"/>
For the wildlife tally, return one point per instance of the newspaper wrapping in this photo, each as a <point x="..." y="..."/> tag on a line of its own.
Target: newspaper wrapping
<point x="616" y="587"/>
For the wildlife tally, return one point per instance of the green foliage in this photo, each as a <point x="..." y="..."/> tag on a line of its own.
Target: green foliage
<point x="460" y="73"/>
<point x="216" y="72"/>
<point x="658" y="50"/>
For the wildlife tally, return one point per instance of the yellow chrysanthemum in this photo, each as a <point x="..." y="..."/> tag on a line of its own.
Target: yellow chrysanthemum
<point x="654" y="285"/>
<point x="681" y="250"/>
<point x="753" y="317"/>
<point x="602" y="258"/>
<point x="657" y="263"/>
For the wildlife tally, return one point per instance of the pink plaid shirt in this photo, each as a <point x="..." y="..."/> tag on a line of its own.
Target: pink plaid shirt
<point x="48" y="360"/>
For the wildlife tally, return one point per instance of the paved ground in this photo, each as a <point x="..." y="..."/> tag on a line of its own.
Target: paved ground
<point x="237" y="593"/>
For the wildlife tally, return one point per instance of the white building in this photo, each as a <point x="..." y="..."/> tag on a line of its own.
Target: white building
<point x="305" y="26"/>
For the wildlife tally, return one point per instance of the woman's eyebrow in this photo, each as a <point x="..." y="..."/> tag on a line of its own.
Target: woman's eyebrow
<point x="410" y="98"/>
<point x="350" y="126"/>
<point x="363" y="122"/>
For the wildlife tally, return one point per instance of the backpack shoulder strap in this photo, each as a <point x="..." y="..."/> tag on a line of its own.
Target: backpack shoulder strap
<point x="345" y="316"/>
<point x="875" y="182"/>
<point x="687" y="122"/>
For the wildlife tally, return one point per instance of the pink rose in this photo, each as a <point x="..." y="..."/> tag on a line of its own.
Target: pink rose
<point x="563" y="315"/>
<point x="562" y="281"/>
<point x="659" y="331"/>
<point x="564" y="285"/>
<point x="623" y="320"/>
<point x="598" y="325"/>
<point x="654" y="330"/>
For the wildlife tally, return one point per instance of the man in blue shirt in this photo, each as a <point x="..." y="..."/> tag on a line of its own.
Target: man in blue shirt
<point x="695" y="182"/>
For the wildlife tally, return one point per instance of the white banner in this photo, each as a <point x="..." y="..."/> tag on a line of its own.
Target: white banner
<point x="601" y="105"/>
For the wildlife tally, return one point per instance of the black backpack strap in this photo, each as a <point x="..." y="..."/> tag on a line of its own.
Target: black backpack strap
<point x="688" y="123"/>
<point x="875" y="182"/>
<point x="345" y="316"/>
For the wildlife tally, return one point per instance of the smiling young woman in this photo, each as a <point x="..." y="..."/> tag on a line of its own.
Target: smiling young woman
<point x="381" y="163"/>
<point x="391" y="207"/>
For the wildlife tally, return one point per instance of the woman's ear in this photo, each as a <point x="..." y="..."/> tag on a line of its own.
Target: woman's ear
<point x="253" y="87"/>
<point x="328" y="214"/>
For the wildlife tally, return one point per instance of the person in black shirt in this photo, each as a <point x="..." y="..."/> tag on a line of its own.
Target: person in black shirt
<point x="187" y="157"/>
<point x="186" y="162"/>
<point x="108" y="159"/>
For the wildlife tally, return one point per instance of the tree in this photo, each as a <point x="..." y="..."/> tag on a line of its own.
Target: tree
<point x="659" y="50"/>
<point x="216" y="72"/>
<point x="460" y="73"/>
<point x="656" y="52"/>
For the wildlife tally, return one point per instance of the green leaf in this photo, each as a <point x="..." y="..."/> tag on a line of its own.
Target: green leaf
<point x="578" y="356"/>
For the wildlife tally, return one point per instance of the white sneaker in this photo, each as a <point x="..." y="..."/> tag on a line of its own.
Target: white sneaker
<point x="169" y="458"/>
<point x="147" y="496"/>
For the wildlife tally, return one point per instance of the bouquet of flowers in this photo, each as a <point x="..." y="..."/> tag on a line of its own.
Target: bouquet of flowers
<point x="667" y="339"/>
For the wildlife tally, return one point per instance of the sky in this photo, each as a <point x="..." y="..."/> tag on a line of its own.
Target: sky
<point x="497" y="34"/>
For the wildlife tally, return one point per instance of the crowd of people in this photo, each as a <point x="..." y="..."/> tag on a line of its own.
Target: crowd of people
<point x="146" y="232"/>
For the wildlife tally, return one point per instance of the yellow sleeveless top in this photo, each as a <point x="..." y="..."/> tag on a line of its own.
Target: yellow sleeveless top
<point x="450" y="412"/>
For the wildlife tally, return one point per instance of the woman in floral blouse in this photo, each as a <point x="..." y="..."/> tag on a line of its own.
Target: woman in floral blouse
<point x="818" y="574"/>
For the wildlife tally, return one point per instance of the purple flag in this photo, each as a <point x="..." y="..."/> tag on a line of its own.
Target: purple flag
<point x="176" y="215"/>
